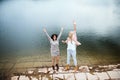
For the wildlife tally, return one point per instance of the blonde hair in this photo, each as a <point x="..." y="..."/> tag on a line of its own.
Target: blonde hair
<point x="70" y="35"/>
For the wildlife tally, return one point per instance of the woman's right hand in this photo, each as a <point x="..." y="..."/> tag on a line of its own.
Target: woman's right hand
<point x="74" y="22"/>
<point x="44" y="30"/>
<point x="62" y="28"/>
<point x="63" y="41"/>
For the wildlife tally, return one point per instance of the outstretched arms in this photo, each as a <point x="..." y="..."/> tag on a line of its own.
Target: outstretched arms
<point x="60" y="33"/>
<point x="47" y="34"/>
<point x="50" y="37"/>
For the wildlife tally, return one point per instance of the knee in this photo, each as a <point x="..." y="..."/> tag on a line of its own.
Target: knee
<point x="57" y="59"/>
<point x="53" y="59"/>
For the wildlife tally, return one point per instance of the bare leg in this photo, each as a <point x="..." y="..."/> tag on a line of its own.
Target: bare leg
<point x="53" y="62"/>
<point x="57" y="59"/>
<point x="57" y="62"/>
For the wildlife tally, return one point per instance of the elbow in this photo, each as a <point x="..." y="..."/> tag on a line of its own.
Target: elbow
<point x="78" y="44"/>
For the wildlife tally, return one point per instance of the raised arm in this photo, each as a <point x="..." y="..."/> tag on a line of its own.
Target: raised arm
<point x="60" y="33"/>
<point x="75" y="35"/>
<point x="47" y="34"/>
<point x="74" y="24"/>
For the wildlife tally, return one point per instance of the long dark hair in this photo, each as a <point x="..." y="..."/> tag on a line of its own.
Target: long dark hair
<point x="53" y="36"/>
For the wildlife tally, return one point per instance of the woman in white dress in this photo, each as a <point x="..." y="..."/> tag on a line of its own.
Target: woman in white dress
<point x="55" y="51"/>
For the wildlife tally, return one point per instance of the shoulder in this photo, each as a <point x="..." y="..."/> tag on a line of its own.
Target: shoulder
<point x="51" y="40"/>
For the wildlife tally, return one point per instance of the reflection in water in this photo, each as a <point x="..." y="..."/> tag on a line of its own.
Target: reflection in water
<point x="21" y="34"/>
<point x="21" y="24"/>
